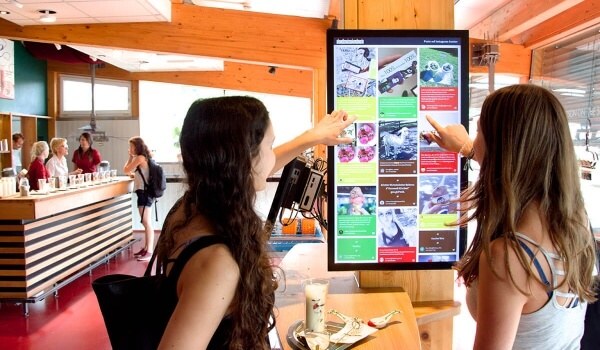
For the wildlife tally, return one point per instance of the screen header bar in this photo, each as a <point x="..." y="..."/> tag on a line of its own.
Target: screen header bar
<point x="396" y="40"/>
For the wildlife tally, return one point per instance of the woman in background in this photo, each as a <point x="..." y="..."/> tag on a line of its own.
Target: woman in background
<point x="85" y="157"/>
<point x="225" y="294"/>
<point x="37" y="170"/>
<point x="57" y="164"/>
<point x="529" y="269"/>
<point x="138" y="162"/>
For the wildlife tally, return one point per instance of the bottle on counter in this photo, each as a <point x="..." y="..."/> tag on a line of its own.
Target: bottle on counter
<point x="8" y="186"/>
<point x="24" y="187"/>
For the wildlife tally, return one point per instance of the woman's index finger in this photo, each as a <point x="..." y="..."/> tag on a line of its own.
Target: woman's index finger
<point x="433" y="123"/>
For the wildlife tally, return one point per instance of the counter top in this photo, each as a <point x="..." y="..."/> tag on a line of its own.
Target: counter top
<point x="35" y="206"/>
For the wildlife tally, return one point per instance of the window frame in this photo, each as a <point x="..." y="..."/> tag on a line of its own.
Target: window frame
<point x="100" y="114"/>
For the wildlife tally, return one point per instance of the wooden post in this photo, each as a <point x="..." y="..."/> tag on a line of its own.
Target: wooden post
<point x="421" y="286"/>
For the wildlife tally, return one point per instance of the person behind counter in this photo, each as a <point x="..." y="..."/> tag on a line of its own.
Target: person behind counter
<point x="225" y="294"/>
<point x="57" y="164"/>
<point x="85" y="157"/>
<point x="37" y="170"/>
<point x="136" y="163"/>
<point x="529" y="270"/>
<point x="17" y="143"/>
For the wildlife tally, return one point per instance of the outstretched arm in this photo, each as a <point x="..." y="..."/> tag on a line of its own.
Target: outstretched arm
<point x="325" y="132"/>
<point x="453" y="137"/>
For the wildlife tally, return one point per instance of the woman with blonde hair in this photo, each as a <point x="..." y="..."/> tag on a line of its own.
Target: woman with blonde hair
<point x="37" y="170"/>
<point x="529" y="270"/>
<point x="57" y="164"/>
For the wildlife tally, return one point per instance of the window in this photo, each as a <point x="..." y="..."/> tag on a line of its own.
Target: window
<point x="163" y="107"/>
<point x="571" y="69"/>
<point x="112" y="98"/>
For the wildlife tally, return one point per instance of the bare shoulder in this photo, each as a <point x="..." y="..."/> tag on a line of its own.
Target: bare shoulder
<point x="213" y="264"/>
<point x="506" y="263"/>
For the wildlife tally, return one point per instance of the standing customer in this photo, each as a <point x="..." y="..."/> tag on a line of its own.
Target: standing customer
<point x="224" y="295"/>
<point x="136" y="163"/>
<point x="37" y="170"/>
<point x="57" y="164"/>
<point x="17" y="143"/>
<point x="85" y="157"/>
<point x="529" y="268"/>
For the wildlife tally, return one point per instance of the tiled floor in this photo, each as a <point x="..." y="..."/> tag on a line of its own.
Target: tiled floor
<point x="73" y="320"/>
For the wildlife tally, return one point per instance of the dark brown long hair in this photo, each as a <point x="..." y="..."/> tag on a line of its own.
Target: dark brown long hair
<point x="89" y="153"/>
<point x="219" y="140"/>
<point x="529" y="157"/>
<point x="141" y="149"/>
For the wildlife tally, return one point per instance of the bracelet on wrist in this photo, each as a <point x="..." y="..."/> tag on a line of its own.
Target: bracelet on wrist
<point x="464" y="147"/>
<point x="469" y="157"/>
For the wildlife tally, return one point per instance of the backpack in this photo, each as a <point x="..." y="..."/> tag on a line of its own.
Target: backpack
<point x="156" y="185"/>
<point x="157" y="181"/>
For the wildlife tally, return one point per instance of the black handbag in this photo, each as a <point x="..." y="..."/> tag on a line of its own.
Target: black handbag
<point x="591" y="332"/>
<point x="136" y="310"/>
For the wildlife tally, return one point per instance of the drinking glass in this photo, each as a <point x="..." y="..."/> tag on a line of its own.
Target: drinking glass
<point x="113" y="175"/>
<point x="80" y="180"/>
<point x="52" y="184"/>
<point x="95" y="177"/>
<point x="62" y="182"/>
<point x="72" y="179"/>
<point x="315" y="293"/>
<point x="42" y="185"/>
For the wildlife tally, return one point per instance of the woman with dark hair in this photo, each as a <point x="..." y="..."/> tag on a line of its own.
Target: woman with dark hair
<point x="225" y="293"/>
<point x="137" y="165"/>
<point x="85" y="157"/>
<point x="529" y="270"/>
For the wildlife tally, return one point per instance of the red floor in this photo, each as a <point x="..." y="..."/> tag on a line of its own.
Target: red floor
<point x="72" y="320"/>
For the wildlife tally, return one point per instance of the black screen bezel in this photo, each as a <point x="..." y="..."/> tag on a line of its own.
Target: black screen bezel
<point x="332" y="34"/>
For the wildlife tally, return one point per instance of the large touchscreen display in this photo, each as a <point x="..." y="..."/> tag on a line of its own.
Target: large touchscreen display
<point x="390" y="192"/>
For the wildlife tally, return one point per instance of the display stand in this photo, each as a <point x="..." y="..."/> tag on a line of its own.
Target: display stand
<point x="429" y="291"/>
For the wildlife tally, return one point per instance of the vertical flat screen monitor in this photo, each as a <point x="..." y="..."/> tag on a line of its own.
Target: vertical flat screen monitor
<point x="390" y="192"/>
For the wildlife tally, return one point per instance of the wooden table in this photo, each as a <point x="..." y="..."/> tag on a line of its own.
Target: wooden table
<point x="310" y="260"/>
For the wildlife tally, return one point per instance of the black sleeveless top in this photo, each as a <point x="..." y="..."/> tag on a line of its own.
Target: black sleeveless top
<point x="222" y="336"/>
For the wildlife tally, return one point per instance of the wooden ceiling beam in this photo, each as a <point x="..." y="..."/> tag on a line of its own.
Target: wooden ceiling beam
<point x="283" y="41"/>
<point x="517" y="16"/>
<point x="236" y="76"/>
<point x="580" y="17"/>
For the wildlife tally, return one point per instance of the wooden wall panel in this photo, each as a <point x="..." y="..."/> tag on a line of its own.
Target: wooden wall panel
<point x="39" y="253"/>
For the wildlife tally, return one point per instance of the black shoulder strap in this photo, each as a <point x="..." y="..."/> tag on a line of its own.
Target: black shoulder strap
<point x="141" y="173"/>
<point x="190" y="250"/>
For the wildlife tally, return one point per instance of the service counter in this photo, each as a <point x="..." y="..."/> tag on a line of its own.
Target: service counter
<point x="45" y="239"/>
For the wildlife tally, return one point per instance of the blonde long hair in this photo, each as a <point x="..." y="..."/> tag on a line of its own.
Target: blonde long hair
<point x="529" y="158"/>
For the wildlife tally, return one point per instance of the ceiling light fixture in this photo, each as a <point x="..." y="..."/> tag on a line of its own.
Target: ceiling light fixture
<point x="14" y="2"/>
<point x="4" y="13"/>
<point x="47" y="16"/>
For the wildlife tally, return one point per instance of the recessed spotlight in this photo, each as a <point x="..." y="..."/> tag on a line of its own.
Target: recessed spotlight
<point x="47" y="16"/>
<point x="4" y="13"/>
